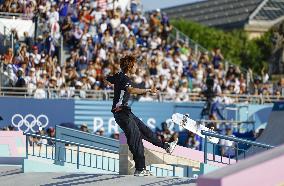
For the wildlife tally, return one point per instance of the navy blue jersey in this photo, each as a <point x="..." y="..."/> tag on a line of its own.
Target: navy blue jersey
<point x="121" y="82"/>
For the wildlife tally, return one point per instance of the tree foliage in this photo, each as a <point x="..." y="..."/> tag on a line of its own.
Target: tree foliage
<point x="235" y="45"/>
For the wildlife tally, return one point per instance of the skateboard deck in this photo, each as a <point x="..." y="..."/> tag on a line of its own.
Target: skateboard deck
<point x="193" y="126"/>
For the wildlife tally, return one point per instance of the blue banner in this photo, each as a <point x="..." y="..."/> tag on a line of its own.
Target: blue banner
<point x="97" y="114"/>
<point x="30" y="114"/>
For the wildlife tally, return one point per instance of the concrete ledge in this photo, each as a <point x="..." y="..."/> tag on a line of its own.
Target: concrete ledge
<point x="156" y="155"/>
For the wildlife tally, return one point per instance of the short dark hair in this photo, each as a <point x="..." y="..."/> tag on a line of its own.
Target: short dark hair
<point x="127" y="62"/>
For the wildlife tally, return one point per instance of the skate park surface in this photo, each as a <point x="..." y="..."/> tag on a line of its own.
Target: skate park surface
<point x="13" y="175"/>
<point x="273" y="132"/>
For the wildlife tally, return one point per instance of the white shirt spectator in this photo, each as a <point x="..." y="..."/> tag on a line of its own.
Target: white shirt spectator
<point x="103" y="27"/>
<point x="171" y="93"/>
<point x="78" y="33"/>
<point x="199" y="75"/>
<point x="36" y="57"/>
<point x="102" y="54"/>
<point x="115" y="23"/>
<point x="40" y="94"/>
<point x="53" y="17"/>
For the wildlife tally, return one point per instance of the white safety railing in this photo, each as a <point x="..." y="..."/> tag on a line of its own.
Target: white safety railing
<point x="70" y="93"/>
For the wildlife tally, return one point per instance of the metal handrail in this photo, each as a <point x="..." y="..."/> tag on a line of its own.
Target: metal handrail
<point x="9" y="15"/>
<point x="225" y="121"/>
<point x="230" y="138"/>
<point x="108" y="94"/>
<point x="239" y="140"/>
<point x="69" y="142"/>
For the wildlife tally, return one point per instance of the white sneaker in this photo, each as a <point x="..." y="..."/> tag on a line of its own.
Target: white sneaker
<point x="171" y="147"/>
<point x="144" y="172"/>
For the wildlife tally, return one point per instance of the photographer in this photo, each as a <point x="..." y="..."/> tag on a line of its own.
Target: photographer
<point x="211" y="93"/>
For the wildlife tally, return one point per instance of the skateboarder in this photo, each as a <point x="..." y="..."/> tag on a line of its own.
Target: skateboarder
<point x="135" y="130"/>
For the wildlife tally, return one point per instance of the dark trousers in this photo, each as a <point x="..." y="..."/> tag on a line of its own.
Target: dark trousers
<point x="135" y="130"/>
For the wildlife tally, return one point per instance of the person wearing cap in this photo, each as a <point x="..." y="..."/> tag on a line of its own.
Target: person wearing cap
<point x="84" y="128"/>
<point x="100" y="131"/>
<point x="80" y="92"/>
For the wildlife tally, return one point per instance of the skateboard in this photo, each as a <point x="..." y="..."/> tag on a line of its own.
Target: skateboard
<point x="193" y="126"/>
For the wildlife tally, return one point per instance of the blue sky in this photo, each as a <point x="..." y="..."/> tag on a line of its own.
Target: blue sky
<point x="154" y="4"/>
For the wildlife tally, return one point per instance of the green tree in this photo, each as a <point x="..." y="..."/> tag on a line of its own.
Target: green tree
<point x="235" y="45"/>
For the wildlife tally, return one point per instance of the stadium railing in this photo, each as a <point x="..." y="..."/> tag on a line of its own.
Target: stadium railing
<point x="108" y="95"/>
<point x="80" y="155"/>
<point x="235" y="150"/>
<point x="88" y="156"/>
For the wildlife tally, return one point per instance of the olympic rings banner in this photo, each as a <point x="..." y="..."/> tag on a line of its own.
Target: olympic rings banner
<point x="29" y="114"/>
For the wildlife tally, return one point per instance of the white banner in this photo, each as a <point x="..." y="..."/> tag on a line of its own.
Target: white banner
<point x="20" y="25"/>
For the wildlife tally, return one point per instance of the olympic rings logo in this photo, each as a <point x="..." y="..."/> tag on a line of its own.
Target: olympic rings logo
<point x="28" y="122"/>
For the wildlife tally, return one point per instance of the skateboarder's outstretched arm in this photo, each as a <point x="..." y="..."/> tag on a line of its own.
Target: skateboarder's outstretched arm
<point x="133" y="90"/>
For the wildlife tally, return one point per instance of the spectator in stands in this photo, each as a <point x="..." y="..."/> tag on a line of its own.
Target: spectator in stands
<point x="41" y="141"/>
<point x="100" y="131"/>
<point x="20" y="83"/>
<point x="228" y="147"/>
<point x="280" y="86"/>
<point x="51" y="133"/>
<point x="217" y="58"/>
<point x="84" y="128"/>
<point x="115" y="135"/>
<point x="96" y="37"/>
<point x="212" y="125"/>
<point x="165" y="134"/>
<point x="40" y="93"/>
<point x="192" y="142"/>
<point x="9" y="78"/>
<point x="8" y="57"/>
<point x="28" y="41"/>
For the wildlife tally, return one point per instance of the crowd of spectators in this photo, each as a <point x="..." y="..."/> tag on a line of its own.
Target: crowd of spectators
<point x="96" y="35"/>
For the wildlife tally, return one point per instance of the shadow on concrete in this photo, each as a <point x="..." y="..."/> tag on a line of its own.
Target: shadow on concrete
<point x="10" y="172"/>
<point x="173" y="181"/>
<point x="77" y="179"/>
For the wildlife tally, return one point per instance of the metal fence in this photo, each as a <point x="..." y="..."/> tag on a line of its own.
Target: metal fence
<point x="236" y="149"/>
<point x="76" y="156"/>
<point x="83" y="155"/>
<point x="108" y="95"/>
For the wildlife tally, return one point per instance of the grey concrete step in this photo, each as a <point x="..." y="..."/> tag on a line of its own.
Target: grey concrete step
<point x="12" y="175"/>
